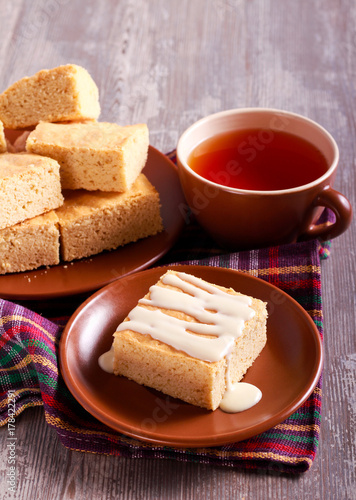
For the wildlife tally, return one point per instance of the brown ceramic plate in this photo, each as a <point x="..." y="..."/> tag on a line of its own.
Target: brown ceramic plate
<point x="287" y="370"/>
<point x="94" y="272"/>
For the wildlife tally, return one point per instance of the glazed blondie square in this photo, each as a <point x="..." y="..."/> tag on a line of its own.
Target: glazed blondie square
<point x="189" y="338"/>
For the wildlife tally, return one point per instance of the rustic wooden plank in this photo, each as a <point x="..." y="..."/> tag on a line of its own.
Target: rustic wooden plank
<point x="168" y="64"/>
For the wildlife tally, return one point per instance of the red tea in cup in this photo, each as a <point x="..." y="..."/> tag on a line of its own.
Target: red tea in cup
<point x="259" y="177"/>
<point x="258" y="159"/>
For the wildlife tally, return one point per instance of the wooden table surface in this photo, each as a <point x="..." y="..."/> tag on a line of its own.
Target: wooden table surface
<point x="168" y="63"/>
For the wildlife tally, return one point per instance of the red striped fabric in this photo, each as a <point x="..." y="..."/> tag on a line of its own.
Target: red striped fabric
<point x="29" y="367"/>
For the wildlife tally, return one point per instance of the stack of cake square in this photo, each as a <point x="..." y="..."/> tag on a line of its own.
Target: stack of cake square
<point x="78" y="188"/>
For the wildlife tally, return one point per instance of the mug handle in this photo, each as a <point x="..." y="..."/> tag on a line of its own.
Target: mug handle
<point x="330" y="198"/>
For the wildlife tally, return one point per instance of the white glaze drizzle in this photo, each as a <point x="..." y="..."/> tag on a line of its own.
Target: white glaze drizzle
<point x="221" y="315"/>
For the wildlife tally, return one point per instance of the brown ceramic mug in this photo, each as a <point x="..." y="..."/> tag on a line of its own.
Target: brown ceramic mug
<point x="245" y="219"/>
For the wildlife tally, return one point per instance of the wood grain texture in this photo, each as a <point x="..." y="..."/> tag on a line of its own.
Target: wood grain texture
<point x="168" y="64"/>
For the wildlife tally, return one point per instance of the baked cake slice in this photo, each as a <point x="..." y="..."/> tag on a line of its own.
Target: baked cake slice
<point x="190" y="339"/>
<point x="54" y="95"/>
<point x="93" y="155"/>
<point x="91" y="222"/>
<point x="30" y="244"/>
<point x="29" y="186"/>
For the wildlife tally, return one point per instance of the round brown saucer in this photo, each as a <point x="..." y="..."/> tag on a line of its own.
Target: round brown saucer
<point x="286" y="371"/>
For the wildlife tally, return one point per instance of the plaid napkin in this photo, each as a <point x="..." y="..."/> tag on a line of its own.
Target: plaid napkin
<point x="29" y="373"/>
